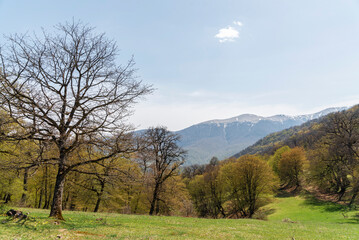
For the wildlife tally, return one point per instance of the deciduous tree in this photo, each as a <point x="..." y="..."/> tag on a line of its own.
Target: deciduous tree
<point x="162" y="157"/>
<point x="291" y="166"/>
<point x="67" y="88"/>
<point x="248" y="181"/>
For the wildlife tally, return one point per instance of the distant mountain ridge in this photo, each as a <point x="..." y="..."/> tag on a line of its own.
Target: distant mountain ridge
<point x="225" y="137"/>
<point x="280" y="117"/>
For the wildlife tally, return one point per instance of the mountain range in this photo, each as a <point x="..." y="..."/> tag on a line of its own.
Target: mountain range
<point x="224" y="138"/>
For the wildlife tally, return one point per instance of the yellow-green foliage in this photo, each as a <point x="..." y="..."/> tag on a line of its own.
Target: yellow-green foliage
<point x="248" y="182"/>
<point x="234" y="188"/>
<point x="126" y="190"/>
<point x="275" y="158"/>
<point x="207" y="193"/>
<point x="291" y="166"/>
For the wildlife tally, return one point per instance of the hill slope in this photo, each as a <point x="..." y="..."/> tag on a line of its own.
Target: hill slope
<point x="303" y="135"/>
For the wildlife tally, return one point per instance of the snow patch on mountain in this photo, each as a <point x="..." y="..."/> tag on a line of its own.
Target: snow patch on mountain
<point x="251" y="118"/>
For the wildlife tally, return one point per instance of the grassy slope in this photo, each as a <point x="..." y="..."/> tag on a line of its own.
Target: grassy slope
<point x="310" y="219"/>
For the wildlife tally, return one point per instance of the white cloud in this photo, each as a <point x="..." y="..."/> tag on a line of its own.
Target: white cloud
<point x="228" y="34"/>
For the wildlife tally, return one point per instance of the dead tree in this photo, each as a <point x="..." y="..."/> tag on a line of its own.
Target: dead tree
<point x="67" y="88"/>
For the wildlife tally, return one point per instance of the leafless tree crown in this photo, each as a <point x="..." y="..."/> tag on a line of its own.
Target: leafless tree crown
<point x="67" y="85"/>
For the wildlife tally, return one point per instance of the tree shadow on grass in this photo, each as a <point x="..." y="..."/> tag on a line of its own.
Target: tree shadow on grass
<point x="12" y="223"/>
<point x="90" y="223"/>
<point x="333" y="207"/>
<point x="285" y="192"/>
<point x="262" y="214"/>
<point x="355" y="218"/>
<point x="327" y="206"/>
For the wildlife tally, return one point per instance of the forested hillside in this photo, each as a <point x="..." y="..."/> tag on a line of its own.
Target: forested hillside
<point x="303" y="135"/>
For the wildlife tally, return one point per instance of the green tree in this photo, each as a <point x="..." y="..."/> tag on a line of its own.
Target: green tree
<point x="208" y="194"/>
<point x="275" y="158"/>
<point x="291" y="167"/>
<point x="248" y="182"/>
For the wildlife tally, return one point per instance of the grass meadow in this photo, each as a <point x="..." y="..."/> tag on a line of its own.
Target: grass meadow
<point x="289" y="218"/>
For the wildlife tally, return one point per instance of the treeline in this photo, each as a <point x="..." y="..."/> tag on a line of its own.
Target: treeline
<point x="146" y="181"/>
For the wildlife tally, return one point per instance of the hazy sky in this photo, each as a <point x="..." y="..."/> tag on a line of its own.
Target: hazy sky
<point x="218" y="59"/>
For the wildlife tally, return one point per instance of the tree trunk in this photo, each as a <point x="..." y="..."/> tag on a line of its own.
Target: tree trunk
<point x="154" y="198"/>
<point x="221" y="209"/>
<point x="7" y="198"/>
<point x="66" y="201"/>
<point x="99" y="197"/>
<point x="56" y="207"/>
<point x="40" y="198"/>
<point x="24" y="194"/>
<point x="47" y="199"/>
<point x="73" y="201"/>
<point x="74" y="195"/>
<point x="341" y="194"/>
<point x="251" y="209"/>
<point x="137" y="202"/>
<point x="97" y="204"/>
<point x="46" y="205"/>
<point x="355" y="193"/>
<point x="157" y="207"/>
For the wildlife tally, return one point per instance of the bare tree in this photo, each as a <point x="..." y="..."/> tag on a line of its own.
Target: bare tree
<point x="162" y="157"/>
<point x="66" y="87"/>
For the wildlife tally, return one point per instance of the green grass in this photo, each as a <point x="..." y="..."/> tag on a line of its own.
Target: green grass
<point x="306" y="219"/>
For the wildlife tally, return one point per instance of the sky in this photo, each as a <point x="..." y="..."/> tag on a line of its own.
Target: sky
<point x="211" y="59"/>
